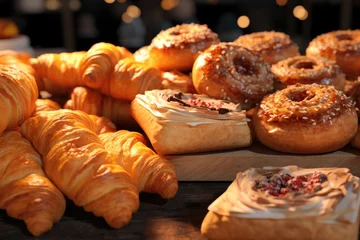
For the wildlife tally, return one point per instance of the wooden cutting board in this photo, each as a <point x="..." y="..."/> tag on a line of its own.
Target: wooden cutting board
<point x="223" y="166"/>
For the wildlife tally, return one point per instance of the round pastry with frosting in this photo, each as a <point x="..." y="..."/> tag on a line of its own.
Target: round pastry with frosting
<point x="286" y="203"/>
<point x="230" y="72"/>
<point x="177" y="122"/>
<point x="307" y="70"/>
<point x="342" y="46"/>
<point x="176" y="48"/>
<point x="306" y="119"/>
<point x="271" y="46"/>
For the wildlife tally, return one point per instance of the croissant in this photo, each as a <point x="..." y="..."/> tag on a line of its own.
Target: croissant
<point x="150" y="172"/>
<point x="76" y="161"/>
<point x="98" y="63"/>
<point x="25" y="192"/>
<point x="18" y="93"/>
<point x="131" y="78"/>
<point x="95" y="103"/>
<point x="58" y="71"/>
<point x="45" y="105"/>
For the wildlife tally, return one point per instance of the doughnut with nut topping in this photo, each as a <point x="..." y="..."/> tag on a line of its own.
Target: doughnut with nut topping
<point x="271" y="46"/>
<point x="176" y="48"/>
<point x="342" y="46"/>
<point x="306" y="119"/>
<point x="230" y="72"/>
<point x="308" y="70"/>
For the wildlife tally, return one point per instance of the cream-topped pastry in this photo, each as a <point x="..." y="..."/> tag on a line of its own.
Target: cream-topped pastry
<point x="177" y="122"/>
<point x="287" y="203"/>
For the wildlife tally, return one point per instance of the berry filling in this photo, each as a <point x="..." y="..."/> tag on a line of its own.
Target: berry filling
<point x="280" y="184"/>
<point x="198" y="103"/>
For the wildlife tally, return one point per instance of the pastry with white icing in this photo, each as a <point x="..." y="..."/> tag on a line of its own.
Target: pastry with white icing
<point x="178" y="123"/>
<point x="287" y="203"/>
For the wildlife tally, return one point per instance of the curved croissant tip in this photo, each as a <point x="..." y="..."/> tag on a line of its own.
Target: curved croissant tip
<point x="92" y="78"/>
<point x="37" y="228"/>
<point x="170" y="191"/>
<point x="120" y="220"/>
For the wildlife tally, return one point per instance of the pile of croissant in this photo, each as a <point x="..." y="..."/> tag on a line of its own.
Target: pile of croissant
<point x="48" y="153"/>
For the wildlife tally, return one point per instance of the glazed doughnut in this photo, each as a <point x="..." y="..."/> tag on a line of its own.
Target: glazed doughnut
<point x="271" y="46"/>
<point x="230" y="72"/>
<point x="307" y="70"/>
<point x="306" y="119"/>
<point x="343" y="46"/>
<point x="177" y="47"/>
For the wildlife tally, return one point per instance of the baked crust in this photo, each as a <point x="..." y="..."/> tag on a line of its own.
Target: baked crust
<point x="220" y="227"/>
<point x="355" y="142"/>
<point x="179" y="136"/>
<point x="243" y="212"/>
<point x="271" y="46"/>
<point x="324" y="120"/>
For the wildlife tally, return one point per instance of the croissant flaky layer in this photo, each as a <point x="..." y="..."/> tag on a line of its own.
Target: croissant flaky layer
<point x="130" y="78"/>
<point x="150" y="172"/>
<point x="76" y="161"/>
<point x="99" y="62"/>
<point x="95" y="103"/>
<point x="25" y="192"/>
<point x="18" y="93"/>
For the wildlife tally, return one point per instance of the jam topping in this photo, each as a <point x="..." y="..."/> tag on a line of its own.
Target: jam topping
<point x="280" y="184"/>
<point x="198" y="103"/>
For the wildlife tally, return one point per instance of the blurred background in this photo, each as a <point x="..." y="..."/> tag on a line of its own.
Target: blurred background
<point x="69" y="25"/>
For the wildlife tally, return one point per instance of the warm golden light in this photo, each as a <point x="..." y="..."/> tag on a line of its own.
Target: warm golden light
<point x="169" y="4"/>
<point x="133" y="11"/>
<point x="126" y="18"/>
<point x="281" y="2"/>
<point x="243" y="21"/>
<point x="300" y="12"/>
<point x="109" y="1"/>
<point x="74" y="5"/>
<point x="52" y="5"/>
<point x="122" y="1"/>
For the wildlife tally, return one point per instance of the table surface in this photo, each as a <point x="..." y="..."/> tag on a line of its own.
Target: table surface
<point x="178" y="218"/>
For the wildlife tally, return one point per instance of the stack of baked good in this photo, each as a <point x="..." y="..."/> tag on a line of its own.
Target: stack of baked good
<point x="47" y="153"/>
<point x="182" y="90"/>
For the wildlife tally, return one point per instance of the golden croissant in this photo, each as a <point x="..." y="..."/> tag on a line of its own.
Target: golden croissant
<point x="150" y="172"/>
<point x="45" y="105"/>
<point x="18" y="93"/>
<point x="95" y="103"/>
<point x="58" y="71"/>
<point x="76" y="161"/>
<point x="25" y="192"/>
<point x="131" y="78"/>
<point x="98" y="63"/>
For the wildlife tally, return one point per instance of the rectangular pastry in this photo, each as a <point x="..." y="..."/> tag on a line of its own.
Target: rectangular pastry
<point x="177" y="122"/>
<point x="287" y="203"/>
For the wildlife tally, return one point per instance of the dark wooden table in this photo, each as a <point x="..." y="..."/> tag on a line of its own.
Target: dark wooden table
<point x="178" y="218"/>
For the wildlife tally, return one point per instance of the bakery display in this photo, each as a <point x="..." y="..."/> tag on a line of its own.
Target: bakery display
<point x="18" y="93"/>
<point x="185" y="107"/>
<point x="176" y="48"/>
<point x="308" y="70"/>
<point x="270" y="45"/>
<point x="177" y="122"/>
<point x="11" y="37"/>
<point x="286" y="203"/>
<point x="230" y="72"/>
<point x="341" y="46"/>
<point x="25" y="192"/>
<point x="288" y="119"/>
